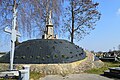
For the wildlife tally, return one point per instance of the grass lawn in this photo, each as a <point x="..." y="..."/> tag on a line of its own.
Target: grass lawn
<point x="102" y="69"/>
<point x="36" y="75"/>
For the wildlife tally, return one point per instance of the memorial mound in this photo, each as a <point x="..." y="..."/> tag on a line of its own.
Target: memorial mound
<point x="45" y="51"/>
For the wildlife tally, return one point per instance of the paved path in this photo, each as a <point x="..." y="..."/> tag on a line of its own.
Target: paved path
<point x="77" y="77"/>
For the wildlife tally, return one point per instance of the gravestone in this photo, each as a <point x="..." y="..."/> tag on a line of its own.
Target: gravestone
<point x="113" y="72"/>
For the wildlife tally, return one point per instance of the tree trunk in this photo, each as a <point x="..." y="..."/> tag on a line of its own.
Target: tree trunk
<point x="72" y="37"/>
<point x="72" y="33"/>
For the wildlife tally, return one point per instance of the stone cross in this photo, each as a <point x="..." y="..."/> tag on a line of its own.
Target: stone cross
<point x="14" y="35"/>
<point x="50" y="19"/>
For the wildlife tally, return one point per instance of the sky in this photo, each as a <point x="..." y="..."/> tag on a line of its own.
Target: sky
<point x="106" y="35"/>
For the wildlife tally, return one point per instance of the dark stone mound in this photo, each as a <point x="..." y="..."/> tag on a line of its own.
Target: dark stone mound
<point x="46" y="51"/>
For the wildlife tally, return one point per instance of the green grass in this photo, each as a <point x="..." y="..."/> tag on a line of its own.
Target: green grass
<point x="36" y="75"/>
<point x="102" y="69"/>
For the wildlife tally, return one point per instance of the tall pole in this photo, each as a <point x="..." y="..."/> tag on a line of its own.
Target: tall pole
<point x="13" y="39"/>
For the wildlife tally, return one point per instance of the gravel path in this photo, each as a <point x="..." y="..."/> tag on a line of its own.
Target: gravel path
<point x="77" y="77"/>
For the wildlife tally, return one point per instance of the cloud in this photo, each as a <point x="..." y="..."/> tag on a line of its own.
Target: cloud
<point x="118" y="11"/>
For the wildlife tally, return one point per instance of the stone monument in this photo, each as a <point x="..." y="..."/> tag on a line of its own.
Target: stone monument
<point x="49" y="31"/>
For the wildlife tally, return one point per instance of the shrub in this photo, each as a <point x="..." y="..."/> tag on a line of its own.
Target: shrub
<point x="31" y="56"/>
<point x="63" y="56"/>
<point x="23" y="57"/>
<point x="67" y="57"/>
<point x="48" y="56"/>
<point x="16" y="57"/>
<point x="70" y="52"/>
<point x="55" y="56"/>
<point x="43" y="58"/>
<point x="38" y="57"/>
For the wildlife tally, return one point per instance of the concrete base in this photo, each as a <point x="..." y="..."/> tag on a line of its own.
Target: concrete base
<point x="9" y="74"/>
<point x="16" y="74"/>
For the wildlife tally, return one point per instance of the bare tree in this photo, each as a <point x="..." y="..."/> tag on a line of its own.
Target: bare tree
<point x="51" y="5"/>
<point x="80" y="17"/>
<point x="24" y="12"/>
<point x="31" y="16"/>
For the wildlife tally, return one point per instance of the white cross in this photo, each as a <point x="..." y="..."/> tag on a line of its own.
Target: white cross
<point x="14" y="35"/>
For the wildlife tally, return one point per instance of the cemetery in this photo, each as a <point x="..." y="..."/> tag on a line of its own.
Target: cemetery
<point x="113" y="72"/>
<point x="38" y="53"/>
<point x="111" y="56"/>
<point x="50" y="57"/>
<point x="48" y="50"/>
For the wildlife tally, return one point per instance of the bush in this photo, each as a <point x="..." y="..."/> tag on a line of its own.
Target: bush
<point x="48" y="56"/>
<point x="38" y="57"/>
<point x="23" y="57"/>
<point x="55" y="56"/>
<point x="63" y="56"/>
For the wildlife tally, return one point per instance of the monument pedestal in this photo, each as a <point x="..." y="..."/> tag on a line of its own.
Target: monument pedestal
<point x="16" y="74"/>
